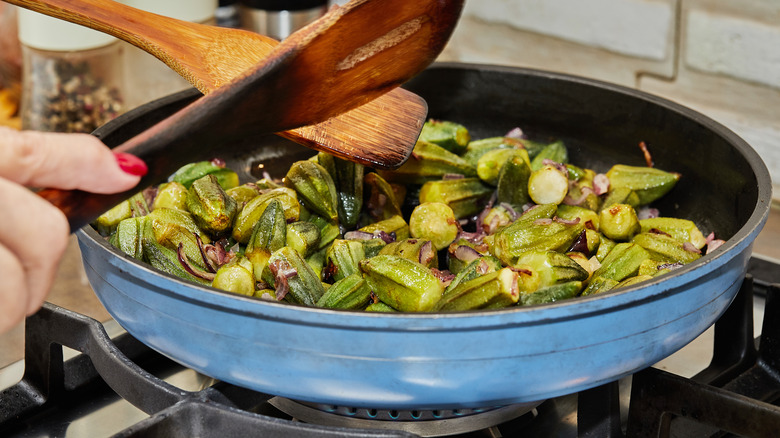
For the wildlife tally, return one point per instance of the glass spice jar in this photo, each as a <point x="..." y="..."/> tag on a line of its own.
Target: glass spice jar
<point x="72" y="77"/>
<point x="10" y="54"/>
<point x="147" y="77"/>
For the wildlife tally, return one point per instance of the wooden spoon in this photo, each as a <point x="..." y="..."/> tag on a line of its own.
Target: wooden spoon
<point x="345" y="59"/>
<point x="380" y="134"/>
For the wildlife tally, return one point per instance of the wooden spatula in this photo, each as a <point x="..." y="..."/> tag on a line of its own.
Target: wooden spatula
<point x="343" y="60"/>
<point x="380" y="134"/>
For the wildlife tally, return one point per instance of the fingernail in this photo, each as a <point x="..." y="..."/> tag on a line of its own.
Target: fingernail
<point x="131" y="164"/>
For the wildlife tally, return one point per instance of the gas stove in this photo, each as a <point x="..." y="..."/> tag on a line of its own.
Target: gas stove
<point x="83" y="378"/>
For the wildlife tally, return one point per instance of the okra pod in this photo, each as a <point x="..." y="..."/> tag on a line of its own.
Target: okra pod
<point x="428" y="162"/>
<point x="552" y="293"/>
<point x="268" y="235"/>
<point x="315" y="188"/>
<point x="212" y="209"/>
<point x="493" y="290"/>
<point x="434" y="221"/>
<point x="349" y="293"/>
<point x="619" y="222"/>
<point x="342" y="258"/>
<point x="235" y="276"/>
<point x="648" y="183"/>
<point x="451" y="136"/>
<point x="465" y="196"/>
<point x="403" y="284"/>
<point x="348" y="179"/>
<point x="171" y="195"/>
<point x="246" y="219"/>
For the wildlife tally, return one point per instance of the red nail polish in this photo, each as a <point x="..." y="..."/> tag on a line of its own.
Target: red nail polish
<point x="131" y="164"/>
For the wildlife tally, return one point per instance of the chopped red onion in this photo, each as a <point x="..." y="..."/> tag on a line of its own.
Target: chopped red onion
<point x="466" y="253"/>
<point x="646" y="152"/>
<point x="358" y="235"/>
<point x="574" y="221"/>
<point x="657" y="231"/>
<point x="513" y="214"/>
<point x="543" y="221"/>
<point x="688" y="246"/>
<point x="515" y="132"/>
<point x="521" y="270"/>
<point x="219" y="162"/>
<point x="445" y="276"/>
<point x="600" y="184"/>
<point x="452" y="176"/>
<point x="647" y="213"/>
<point x="580" y="244"/>
<point x="714" y="244"/>
<point x="190" y="268"/>
<point x="427" y="253"/>
<point x="282" y="271"/>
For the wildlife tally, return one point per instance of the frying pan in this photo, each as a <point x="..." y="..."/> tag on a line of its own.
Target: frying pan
<point x="471" y="359"/>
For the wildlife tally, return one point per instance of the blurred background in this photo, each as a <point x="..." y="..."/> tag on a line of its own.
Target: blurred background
<point x="719" y="57"/>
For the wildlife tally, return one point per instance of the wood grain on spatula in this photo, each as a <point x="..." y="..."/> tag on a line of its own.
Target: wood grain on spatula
<point x="380" y="134"/>
<point x="348" y="57"/>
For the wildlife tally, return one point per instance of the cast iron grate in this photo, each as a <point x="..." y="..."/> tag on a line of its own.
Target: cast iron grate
<point x="732" y="396"/>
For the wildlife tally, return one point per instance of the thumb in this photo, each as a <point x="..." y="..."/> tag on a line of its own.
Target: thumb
<point x="66" y="161"/>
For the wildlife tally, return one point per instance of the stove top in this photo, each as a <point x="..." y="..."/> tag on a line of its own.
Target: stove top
<point x="84" y="378"/>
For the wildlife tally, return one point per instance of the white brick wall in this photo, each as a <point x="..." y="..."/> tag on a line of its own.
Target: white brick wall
<point x="719" y="57"/>
<point x="641" y="28"/>
<point x="743" y="48"/>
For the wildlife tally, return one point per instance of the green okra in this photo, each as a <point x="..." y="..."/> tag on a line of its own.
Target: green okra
<point x="462" y="252"/>
<point x="620" y="195"/>
<point x="303" y="237"/>
<point x="493" y="290"/>
<point x="465" y="196"/>
<point x="192" y="172"/>
<point x="490" y="163"/>
<point x="475" y="268"/>
<point x="348" y="179"/>
<point x="171" y="195"/>
<point x="162" y="258"/>
<point x="496" y="218"/>
<point x="451" y="136"/>
<point x="548" y="185"/>
<point x="403" y="284"/>
<point x="605" y="246"/>
<point x="428" y="162"/>
<point x="380" y="307"/>
<point x="555" y="151"/>
<point x="418" y="250"/>
<point x="574" y="212"/>
<point x="553" y="267"/>
<point x="243" y="194"/>
<point x="173" y="235"/>
<point x="212" y="209"/>
<point x="667" y="248"/>
<point x="619" y="222"/>
<point x="630" y="281"/>
<point x="247" y="218"/>
<point x="287" y="270"/>
<point x="329" y="231"/>
<point x="395" y="226"/>
<point x="434" y="221"/>
<point x="648" y="183"/>
<point x="383" y="201"/>
<point x="512" y="183"/>
<point x="129" y="236"/>
<point x="106" y="224"/>
<point x="268" y="235"/>
<point x="315" y="188"/>
<point x="622" y="262"/>
<point x="235" y="276"/>
<point x="316" y="262"/>
<point x="598" y="285"/>
<point x="342" y="258"/>
<point x="683" y="230"/>
<point x="552" y="293"/>
<point x="511" y="241"/>
<point x="350" y="293"/>
<point x="581" y="192"/>
<point x="477" y="148"/>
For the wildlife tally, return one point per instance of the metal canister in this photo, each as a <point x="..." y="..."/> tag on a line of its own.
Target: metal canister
<point x="279" y="18"/>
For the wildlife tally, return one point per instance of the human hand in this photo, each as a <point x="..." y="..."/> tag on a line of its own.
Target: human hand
<point x="34" y="233"/>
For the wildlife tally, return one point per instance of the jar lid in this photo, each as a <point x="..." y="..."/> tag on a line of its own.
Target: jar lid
<point x="284" y="5"/>
<point x="196" y="11"/>
<point x="46" y="33"/>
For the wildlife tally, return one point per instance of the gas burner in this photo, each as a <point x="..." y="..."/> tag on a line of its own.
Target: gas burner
<point x="427" y="423"/>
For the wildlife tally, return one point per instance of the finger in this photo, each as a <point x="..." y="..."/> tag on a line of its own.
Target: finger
<point x="13" y="290"/>
<point x="62" y="161"/>
<point x="36" y="233"/>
